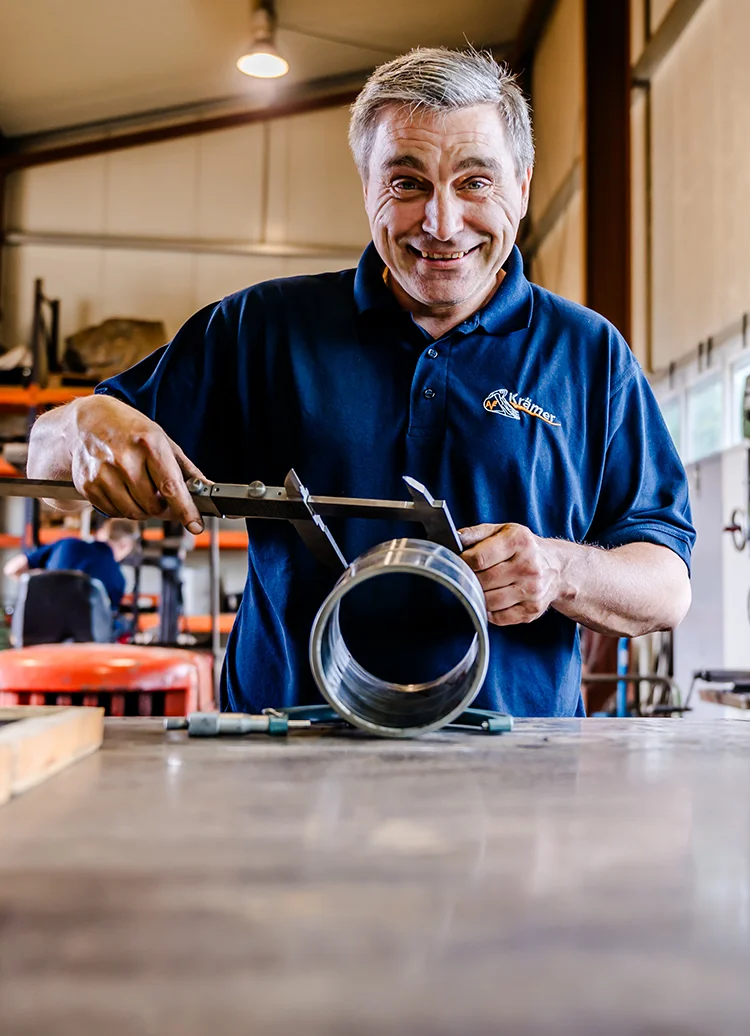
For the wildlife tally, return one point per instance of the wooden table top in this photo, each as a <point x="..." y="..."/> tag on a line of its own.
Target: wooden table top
<point x="573" y="877"/>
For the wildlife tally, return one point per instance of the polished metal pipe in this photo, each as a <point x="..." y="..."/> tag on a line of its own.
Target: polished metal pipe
<point x="393" y="709"/>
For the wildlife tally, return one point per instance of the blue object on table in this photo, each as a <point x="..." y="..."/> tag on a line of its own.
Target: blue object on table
<point x="623" y="654"/>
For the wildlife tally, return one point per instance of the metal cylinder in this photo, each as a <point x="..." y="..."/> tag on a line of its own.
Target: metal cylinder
<point x="393" y="709"/>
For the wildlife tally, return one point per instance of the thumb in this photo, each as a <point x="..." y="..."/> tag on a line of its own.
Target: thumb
<point x="474" y="534"/>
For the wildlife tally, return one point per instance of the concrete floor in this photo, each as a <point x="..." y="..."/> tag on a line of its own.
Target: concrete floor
<point x="574" y="877"/>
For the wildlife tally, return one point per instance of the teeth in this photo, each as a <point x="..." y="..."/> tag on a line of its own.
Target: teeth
<point x="443" y="255"/>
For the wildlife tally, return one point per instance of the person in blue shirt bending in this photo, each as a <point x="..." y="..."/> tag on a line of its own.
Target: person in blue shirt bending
<point x="100" y="558"/>
<point x="435" y="358"/>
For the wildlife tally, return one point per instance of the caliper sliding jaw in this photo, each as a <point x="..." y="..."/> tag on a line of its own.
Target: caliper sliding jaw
<point x="294" y="503"/>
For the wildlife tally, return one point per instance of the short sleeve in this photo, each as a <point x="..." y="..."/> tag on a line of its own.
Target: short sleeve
<point x="190" y="388"/>
<point x="644" y="491"/>
<point x="38" y="558"/>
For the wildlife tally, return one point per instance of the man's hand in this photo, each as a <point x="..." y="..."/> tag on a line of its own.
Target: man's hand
<point x="519" y="573"/>
<point x="627" y="591"/>
<point x="122" y="462"/>
<point x="17" y="565"/>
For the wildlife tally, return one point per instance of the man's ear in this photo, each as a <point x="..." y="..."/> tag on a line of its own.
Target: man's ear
<point x="525" y="185"/>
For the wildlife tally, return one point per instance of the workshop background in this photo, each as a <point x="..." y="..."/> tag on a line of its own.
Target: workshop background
<point x="284" y="873"/>
<point x="143" y="176"/>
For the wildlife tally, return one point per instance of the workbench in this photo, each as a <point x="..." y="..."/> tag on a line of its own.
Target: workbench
<point x="573" y="877"/>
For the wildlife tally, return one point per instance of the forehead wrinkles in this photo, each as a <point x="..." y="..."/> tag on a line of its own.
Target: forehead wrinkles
<point x="430" y="137"/>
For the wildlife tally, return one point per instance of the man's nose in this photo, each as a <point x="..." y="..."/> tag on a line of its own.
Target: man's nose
<point x="442" y="216"/>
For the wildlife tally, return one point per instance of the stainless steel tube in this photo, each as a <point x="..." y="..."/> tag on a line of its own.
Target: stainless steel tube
<point x="393" y="709"/>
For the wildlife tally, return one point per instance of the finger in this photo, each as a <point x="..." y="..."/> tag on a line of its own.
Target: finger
<point x="120" y="498"/>
<point x="475" y="533"/>
<point x="99" y="499"/>
<point x="499" y="576"/>
<point x="145" y="494"/>
<point x="136" y="483"/>
<point x="169" y="480"/>
<point x="189" y="470"/>
<point x="514" y="616"/>
<point x="501" y="600"/>
<point x="490" y="551"/>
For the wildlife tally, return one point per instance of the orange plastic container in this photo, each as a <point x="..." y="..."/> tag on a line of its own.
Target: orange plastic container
<point x="124" y="679"/>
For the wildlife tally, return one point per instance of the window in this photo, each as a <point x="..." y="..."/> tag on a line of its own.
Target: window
<point x="705" y="419"/>
<point x="672" y="414"/>
<point x="740" y="374"/>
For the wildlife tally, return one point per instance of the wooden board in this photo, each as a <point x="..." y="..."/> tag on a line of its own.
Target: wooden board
<point x="36" y="743"/>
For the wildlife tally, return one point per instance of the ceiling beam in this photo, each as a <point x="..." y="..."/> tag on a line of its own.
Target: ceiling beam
<point x="675" y="22"/>
<point x="23" y="159"/>
<point x="183" y="245"/>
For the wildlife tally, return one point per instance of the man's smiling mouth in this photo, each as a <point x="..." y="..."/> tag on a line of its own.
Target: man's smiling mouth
<point x="441" y="257"/>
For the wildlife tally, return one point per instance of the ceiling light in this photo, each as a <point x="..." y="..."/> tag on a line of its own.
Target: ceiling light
<point x="263" y="60"/>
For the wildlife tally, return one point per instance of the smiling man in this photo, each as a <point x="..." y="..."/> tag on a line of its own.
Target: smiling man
<point x="434" y="358"/>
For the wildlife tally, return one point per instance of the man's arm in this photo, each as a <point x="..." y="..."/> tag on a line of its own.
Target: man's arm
<point x="16" y="566"/>
<point x="122" y="462"/>
<point x="625" y="592"/>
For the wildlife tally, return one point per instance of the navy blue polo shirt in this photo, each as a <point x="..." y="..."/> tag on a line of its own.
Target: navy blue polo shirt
<point x="95" y="559"/>
<point x="533" y="410"/>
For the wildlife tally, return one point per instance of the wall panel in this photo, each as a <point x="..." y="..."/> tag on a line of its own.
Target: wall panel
<point x="291" y="182"/>
<point x="68" y="197"/>
<point x="149" y="285"/>
<point x="153" y="191"/>
<point x="639" y="315"/>
<point x="658" y="10"/>
<point x="315" y="194"/>
<point x="230" y="184"/>
<point x="637" y="29"/>
<point x="558" y="102"/>
<point x="701" y="204"/>
<point x="559" y="264"/>
<point x="558" y="97"/>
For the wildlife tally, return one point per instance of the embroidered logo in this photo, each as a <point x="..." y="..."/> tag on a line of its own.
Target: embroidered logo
<point x="512" y="405"/>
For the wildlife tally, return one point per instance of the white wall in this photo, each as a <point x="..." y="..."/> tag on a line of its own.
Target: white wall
<point x="287" y="182"/>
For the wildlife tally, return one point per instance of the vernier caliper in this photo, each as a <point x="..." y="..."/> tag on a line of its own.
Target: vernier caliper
<point x="291" y="502"/>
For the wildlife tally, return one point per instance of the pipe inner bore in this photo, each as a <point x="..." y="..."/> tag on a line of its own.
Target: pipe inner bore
<point x="386" y="707"/>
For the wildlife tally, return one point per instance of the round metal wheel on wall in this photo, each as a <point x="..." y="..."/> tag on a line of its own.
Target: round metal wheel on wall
<point x="394" y="709"/>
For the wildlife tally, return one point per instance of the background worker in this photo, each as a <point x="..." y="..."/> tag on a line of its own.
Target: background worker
<point x="435" y="358"/>
<point x="99" y="558"/>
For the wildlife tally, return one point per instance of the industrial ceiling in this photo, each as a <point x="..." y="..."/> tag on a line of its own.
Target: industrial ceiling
<point x="84" y="61"/>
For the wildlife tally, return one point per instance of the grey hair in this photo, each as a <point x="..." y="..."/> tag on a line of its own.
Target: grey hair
<point x="438" y="79"/>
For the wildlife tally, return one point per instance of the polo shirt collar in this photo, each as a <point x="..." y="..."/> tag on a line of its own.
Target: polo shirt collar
<point x="508" y="310"/>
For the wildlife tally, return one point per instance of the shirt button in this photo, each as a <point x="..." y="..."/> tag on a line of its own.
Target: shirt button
<point x="428" y="394"/>
<point x="432" y="353"/>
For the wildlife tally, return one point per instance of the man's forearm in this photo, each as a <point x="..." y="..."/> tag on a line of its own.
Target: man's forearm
<point x="626" y="591"/>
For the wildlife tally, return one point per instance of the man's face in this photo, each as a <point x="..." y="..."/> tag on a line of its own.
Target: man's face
<point x="444" y="203"/>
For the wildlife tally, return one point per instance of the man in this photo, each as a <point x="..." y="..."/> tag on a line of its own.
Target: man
<point x="100" y="558"/>
<point x="435" y="358"/>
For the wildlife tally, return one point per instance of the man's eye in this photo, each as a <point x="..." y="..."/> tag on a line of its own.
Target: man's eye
<point x="406" y="185"/>
<point x="476" y="185"/>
